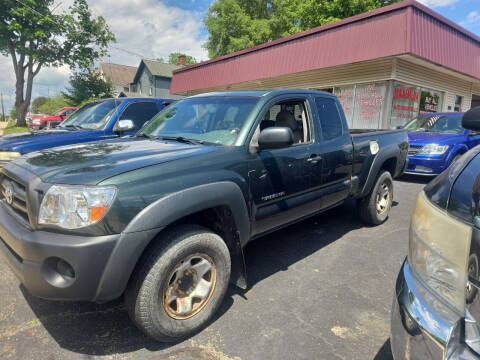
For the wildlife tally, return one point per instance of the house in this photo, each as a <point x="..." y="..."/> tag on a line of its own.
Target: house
<point x="153" y="78"/>
<point x="121" y="76"/>
<point x="386" y="66"/>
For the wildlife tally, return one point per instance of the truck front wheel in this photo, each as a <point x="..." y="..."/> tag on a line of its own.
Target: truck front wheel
<point x="375" y="207"/>
<point x="179" y="284"/>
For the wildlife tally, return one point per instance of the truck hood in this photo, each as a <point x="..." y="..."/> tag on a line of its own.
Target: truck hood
<point x="91" y="163"/>
<point x="426" y="138"/>
<point x="38" y="140"/>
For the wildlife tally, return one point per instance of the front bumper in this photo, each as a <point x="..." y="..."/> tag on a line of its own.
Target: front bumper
<point x="426" y="164"/>
<point x="34" y="258"/>
<point x="422" y="326"/>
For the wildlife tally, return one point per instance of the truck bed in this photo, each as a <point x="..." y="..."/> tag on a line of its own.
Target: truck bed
<point x="391" y="154"/>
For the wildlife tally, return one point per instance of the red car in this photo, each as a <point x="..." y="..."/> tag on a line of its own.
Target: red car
<point x="52" y="120"/>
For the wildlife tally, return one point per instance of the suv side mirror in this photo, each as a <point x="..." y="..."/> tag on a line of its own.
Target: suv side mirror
<point x="125" y="125"/>
<point x="471" y="119"/>
<point x="275" y="138"/>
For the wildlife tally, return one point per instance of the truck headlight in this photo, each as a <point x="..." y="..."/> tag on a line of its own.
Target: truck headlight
<point x="73" y="207"/>
<point x="434" y="149"/>
<point x="9" y="155"/>
<point x="438" y="252"/>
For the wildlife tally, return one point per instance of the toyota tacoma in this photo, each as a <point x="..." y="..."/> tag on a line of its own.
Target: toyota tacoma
<point x="162" y="218"/>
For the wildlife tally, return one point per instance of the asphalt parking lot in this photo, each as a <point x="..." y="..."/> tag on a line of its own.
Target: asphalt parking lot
<point x="320" y="289"/>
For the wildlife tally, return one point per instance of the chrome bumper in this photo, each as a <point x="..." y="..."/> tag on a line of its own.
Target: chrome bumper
<point x="422" y="326"/>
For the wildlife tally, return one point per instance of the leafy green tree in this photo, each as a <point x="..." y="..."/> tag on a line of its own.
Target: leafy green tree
<point x="87" y="84"/>
<point x="234" y="25"/>
<point x="37" y="102"/>
<point x="53" y="104"/>
<point x="173" y="59"/>
<point x="35" y="37"/>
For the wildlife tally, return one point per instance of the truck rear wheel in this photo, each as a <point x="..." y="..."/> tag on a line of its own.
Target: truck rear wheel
<point x="375" y="207"/>
<point x="179" y="284"/>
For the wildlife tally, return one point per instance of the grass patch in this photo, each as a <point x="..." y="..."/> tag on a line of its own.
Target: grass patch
<point x="14" y="130"/>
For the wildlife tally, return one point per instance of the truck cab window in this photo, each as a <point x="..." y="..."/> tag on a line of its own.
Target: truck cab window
<point x="292" y="114"/>
<point x="329" y="118"/>
<point x="139" y="113"/>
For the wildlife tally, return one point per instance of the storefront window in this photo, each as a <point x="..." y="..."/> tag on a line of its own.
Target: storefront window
<point x="362" y="104"/>
<point x="345" y="95"/>
<point x="369" y="101"/>
<point x="430" y="101"/>
<point x="406" y="100"/>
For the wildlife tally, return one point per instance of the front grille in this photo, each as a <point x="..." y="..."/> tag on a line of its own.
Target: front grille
<point x="414" y="149"/>
<point x="15" y="194"/>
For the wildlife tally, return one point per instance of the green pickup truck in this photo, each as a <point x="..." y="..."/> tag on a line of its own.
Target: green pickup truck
<point x="162" y="217"/>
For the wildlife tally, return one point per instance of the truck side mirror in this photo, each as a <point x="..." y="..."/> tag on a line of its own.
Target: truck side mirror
<point x="125" y="125"/>
<point x="471" y="119"/>
<point x="275" y="138"/>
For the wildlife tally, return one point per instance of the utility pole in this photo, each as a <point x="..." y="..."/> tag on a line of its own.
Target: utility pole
<point x="3" y="109"/>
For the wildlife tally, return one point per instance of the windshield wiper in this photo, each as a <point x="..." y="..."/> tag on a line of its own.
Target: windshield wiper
<point x="182" y="140"/>
<point x="71" y="126"/>
<point x="151" y="137"/>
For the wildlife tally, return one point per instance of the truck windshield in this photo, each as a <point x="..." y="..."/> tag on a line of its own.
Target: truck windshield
<point x="436" y="123"/>
<point x="93" y="115"/>
<point x="206" y="119"/>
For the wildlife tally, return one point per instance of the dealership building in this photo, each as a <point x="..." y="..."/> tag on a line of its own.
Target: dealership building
<point x="386" y="66"/>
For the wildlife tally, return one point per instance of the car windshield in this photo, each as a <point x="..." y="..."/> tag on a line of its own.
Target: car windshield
<point x="91" y="116"/>
<point x="446" y="124"/>
<point x="206" y="119"/>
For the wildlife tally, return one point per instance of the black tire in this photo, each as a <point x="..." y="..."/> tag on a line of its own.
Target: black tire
<point x="144" y="297"/>
<point x="473" y="271"/>
<point x="367" y="206"/>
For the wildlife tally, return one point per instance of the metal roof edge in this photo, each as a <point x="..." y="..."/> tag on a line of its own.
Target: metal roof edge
<point x="352" y="19"/>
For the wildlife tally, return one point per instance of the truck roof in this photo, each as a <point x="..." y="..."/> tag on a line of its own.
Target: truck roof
<point x="260" y="93"/>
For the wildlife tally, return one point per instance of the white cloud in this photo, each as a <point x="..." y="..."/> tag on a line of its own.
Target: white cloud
<point x="473" y="17"/>
<point x="146" y="27"/>
<point x="437" y="3"/>
<point x="151" y="28"/>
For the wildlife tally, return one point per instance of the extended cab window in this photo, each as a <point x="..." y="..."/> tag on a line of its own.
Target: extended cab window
<point x="292" y="114"/>
<point x="139" y="113"/>
<point x="330" y="119"/>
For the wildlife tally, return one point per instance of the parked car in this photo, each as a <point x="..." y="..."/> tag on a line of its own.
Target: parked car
<point x="436" y="141"/>
<point x="51" y="121"/>
<point x="163" y="217"/>
<point x="97" y="120"/>
<point x="436" y="310"/>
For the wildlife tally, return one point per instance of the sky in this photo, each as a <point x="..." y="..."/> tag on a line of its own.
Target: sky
<point x="155" y="28"/>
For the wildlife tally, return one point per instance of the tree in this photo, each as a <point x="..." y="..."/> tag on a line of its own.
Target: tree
<point x="173" y="59"/>
<point x="234" y="25"/>
<point x="86" y="85"/>
<point x="35" y="37"/>
<point x="37" y="102"/>
<point x="53" y="104"/>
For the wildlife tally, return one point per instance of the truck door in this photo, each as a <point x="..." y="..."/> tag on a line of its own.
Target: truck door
<point x="334" y="146"/>
<point x="279" y="179"/>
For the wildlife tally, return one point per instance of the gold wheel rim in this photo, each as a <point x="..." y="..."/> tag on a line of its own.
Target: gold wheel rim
<point x="189" y="286"/>
<point x="383" y="199"/>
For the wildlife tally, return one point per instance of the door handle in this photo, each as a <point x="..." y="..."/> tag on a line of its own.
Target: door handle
<point x="314" y="158"/>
